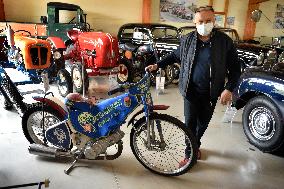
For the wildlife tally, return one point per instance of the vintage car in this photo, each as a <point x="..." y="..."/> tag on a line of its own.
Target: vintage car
<point x="250" y="52"/>
<point x="157" y="39"/>
<point x="261" y="92"/>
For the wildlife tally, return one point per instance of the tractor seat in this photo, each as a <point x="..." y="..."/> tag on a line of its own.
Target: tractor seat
<point x="73" y="35"/>
<point x="129" y="47"/>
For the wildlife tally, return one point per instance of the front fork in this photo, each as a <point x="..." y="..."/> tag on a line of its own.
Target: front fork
<point x="151" y="137"/>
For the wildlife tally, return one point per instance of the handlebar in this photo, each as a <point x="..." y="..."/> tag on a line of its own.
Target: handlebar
<point x="116" y="90"/>
<point x="123" y="87"/>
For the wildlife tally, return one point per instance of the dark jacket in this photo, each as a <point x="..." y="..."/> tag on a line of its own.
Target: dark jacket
<point x="224" y="62"/>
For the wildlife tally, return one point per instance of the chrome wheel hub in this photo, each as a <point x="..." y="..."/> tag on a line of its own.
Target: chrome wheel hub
<point x="262" y="123"/>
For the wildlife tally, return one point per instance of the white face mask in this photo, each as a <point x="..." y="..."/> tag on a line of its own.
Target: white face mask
<point x="205" y="29"/>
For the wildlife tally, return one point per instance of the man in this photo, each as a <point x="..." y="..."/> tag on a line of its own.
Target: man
<point x="207" y="56"/>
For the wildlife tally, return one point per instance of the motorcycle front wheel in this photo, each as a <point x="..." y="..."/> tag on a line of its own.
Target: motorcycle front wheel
<point x="170" y="144"/>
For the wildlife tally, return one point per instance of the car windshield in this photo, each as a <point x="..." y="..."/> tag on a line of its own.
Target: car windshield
<point x="164" y="33"/>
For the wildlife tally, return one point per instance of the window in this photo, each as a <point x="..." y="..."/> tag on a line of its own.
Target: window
<point x="127" y="33"/>
<point x="67" y="16"/>
<point x="164" y="33"/>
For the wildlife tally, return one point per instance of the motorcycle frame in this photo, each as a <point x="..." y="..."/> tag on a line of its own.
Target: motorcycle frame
<point x="145" y="100"/>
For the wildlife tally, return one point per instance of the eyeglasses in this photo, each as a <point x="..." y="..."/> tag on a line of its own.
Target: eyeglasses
<point x="204" y="8"/>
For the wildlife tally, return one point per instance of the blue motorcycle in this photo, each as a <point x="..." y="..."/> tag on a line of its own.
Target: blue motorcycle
<point x="83" y="131"/>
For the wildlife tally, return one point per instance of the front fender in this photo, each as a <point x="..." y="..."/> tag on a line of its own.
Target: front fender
<point x="56" y="42"/>
<point x="253" y="86"/>
<point x="155" y="107"/>
<point x="270" y="88"/>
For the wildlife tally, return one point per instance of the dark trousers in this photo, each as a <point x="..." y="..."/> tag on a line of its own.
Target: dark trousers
<point x="198" y="111"/>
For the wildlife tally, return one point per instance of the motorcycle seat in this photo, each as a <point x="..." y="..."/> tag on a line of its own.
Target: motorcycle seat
<point x="75" y="101"/>
<point x="130" y="47"/>
<point x="80" y="106"/>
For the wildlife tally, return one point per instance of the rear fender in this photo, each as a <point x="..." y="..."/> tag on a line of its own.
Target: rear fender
<point x="56" y="42"/>
<point x="54" y="103"/>
<point x="155" y="107"/>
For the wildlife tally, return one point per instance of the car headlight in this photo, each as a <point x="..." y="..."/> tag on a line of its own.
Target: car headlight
<point x="271" y="55"/>
<point x="260" y="59"/>
<point x="56" y="55"/>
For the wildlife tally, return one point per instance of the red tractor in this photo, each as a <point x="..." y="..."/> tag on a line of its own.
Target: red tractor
<point x="96" y="52"/>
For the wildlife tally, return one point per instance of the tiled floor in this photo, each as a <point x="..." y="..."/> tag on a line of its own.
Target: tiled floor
<point x="228" y="161"/>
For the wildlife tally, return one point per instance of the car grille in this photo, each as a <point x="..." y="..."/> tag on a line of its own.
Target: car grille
<point x="39" y="55"/>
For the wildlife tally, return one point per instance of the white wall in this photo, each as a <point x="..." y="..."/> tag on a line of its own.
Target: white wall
<point x="106" y="15"/>
<point x="264" y="27"/>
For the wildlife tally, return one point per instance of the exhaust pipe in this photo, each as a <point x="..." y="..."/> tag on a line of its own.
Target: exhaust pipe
<point x="41" y="150"/>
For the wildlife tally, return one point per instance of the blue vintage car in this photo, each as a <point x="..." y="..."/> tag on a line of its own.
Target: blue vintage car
<point x="261" y="92"/>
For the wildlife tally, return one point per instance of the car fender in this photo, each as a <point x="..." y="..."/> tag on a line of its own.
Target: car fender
<point x="56" y="42"/>
<point x="252" y="86"/>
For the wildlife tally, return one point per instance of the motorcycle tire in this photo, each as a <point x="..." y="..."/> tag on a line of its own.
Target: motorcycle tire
<point x="64" y="83"/>
<point x="12" y="95"/>
<point x="7" y="105"/>
<point x="176" y="71"/>
<point x="76" y="75"/>
<point x="32" y="119"/>
<point x="265" y="134"/>
<point x="164" y="156"/>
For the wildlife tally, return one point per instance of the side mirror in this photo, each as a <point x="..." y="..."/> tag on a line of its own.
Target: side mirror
<point x="43" y="19"/>
<point x="256" y="15"/>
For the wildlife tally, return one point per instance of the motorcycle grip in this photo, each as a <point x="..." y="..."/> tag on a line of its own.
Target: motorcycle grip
<point x="116" y="90"/>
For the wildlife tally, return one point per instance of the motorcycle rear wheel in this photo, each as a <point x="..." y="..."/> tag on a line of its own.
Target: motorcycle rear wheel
<point x="164" y="158"/>
<point x="32" y="122"/>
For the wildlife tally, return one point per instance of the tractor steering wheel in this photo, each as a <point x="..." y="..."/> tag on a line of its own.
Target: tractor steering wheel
<point x="25" y="31"/>
<point x="71" y="20"/>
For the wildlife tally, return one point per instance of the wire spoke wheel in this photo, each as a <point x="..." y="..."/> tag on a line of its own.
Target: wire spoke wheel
<point x="170" y="144"/>
<point x="33" y="122"/>
<point x="36" y="123"/>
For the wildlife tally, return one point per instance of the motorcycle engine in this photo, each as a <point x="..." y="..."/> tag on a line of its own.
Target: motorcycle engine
<point x="94" y="148"/>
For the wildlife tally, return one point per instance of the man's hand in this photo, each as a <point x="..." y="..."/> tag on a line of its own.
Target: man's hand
<point x="152" y="67"/>
<point x="226" y="97"/>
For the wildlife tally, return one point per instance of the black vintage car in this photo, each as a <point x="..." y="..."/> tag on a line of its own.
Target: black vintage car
<point x="144" y="44"/>
<point x="261" y="92"/>
<point x="250" y="52"/>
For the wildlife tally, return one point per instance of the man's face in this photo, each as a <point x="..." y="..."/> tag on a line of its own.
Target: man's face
<point x="204" y="17"/>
